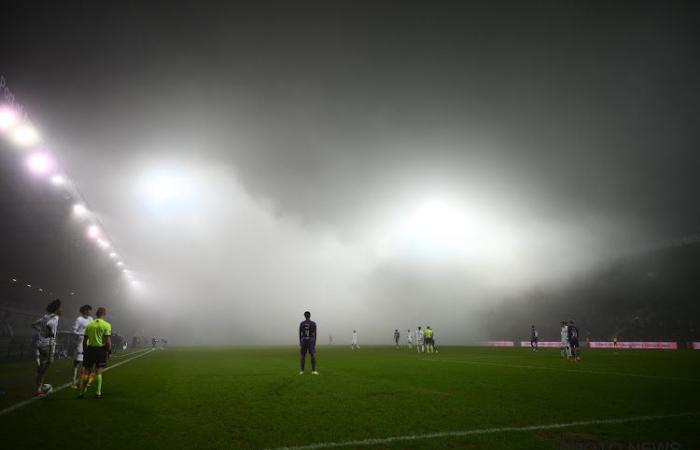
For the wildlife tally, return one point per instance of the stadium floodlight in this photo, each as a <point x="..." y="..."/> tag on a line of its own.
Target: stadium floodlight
<point x="135" y="283"/>
<point x="120" y="264"/>
<point x="8" y="118"/>
<point x="25" y="135"/>
<point x="29" y="285"/>
<point x="14" y="280"/>
<point x="93" y="231"/>
<point x="58" y="180"/>
<point x="112" y="255"/>
<point x="80" y="210"/>
<point x="103" y="243"/>
<point x="40" y="163"/>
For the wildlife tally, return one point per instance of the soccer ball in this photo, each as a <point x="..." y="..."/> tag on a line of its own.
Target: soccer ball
<point x="46" y="389"/>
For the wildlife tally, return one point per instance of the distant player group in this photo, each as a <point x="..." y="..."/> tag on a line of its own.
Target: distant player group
<point x="92" y="349"/>
<point x="570" y="347"/>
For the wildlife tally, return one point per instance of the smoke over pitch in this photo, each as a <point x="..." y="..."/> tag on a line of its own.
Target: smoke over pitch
<point x="383" y="167"/>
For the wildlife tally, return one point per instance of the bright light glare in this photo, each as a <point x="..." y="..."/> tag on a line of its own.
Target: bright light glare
<point x="440" y="229"/>
<point x="58" y="180"/>
<point x="40" y="163"/>
<point x="8" y="118"/>
<point x="25" y="135"/>
<point x="112" y="255"/>
<point x="93" y="231"/>
<point x="103" y="244"/>
<point x="80" y="210"/>
<point x="120" y="264"/>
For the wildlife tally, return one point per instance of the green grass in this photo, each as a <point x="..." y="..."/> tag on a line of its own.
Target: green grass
<point x="254" y="398"/>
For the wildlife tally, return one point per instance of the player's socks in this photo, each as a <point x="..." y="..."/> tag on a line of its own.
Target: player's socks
<point x="99" y="384"/>
<point x="83" y="383"/>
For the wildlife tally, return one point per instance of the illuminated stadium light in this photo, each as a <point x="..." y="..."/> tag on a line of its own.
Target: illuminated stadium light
<point x="93" y="232"/>
<point x="135" y="283"/>
<point x="120" y="264"/>
<point x="103" y="243"/>
<point x="14" y="280"/>
<point x="40" y="163"/>
<point x="58" y="180"/>
<point x="25" y="135"/>
<point x="80" y="210"/>
<point x="8" y="118"/>
<point x="112" y="255"/>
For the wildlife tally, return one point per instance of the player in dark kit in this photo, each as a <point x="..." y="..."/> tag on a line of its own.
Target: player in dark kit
<point x="397" y="336"/>
<point x="534" y="338"/>
<point x="573" y="342"/>
<point x="307" y="342"/>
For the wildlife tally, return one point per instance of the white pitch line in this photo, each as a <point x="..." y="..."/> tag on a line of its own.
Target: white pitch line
<point x="130" y="353"/>
<point x="9" y="409"/>
<point x="591" y="372"/>
<point x="443" y="434"/>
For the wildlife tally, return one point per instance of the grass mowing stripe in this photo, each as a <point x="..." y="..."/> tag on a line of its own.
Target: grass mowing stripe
<point x="9" y="409"/>
<point x="590" y="372"/>
<point x="443" y="434"/>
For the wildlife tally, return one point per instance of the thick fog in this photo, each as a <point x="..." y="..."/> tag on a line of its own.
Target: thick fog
<point x="382" y="167"/>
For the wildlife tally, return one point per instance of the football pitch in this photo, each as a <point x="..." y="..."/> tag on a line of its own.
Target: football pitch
<point x="374" y="398"/>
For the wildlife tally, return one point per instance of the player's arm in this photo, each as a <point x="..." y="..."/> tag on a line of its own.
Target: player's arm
<point x="108" y="343"/>
<point x="37" y="325"/>
<point x="76" y="326"/>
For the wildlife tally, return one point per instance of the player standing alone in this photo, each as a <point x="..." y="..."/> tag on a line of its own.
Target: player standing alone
<point x="46" y="327"/>
<point x="573" y="341"/>
<point x="307" y="342"/>
<point x="410" y="339"/>
<point x="79" y="330"/>
<point x="355" y="343"/>
<point x="397" y="336"/>
<point x="97" y="346"/>
<point x="535" y="335"/>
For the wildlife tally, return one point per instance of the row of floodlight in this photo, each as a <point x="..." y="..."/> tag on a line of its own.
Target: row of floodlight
<point x="40" y="162"/>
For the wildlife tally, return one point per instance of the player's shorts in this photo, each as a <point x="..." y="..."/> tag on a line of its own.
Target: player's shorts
<point x="308" y="345"/>
<point x="419" y="341"/>
<point x="79" y="349"/>
<point x="573" y="343"/>
<point x="44" y="354"/>
<point x="564" y="343"/>
<point x="95" y="356"/>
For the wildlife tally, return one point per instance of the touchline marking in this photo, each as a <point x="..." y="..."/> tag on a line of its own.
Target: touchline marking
<point x="592" y="372"/>
<point x="130" y="353"/>
<point x="442" y="434"/>
<point x="63" y="386"/>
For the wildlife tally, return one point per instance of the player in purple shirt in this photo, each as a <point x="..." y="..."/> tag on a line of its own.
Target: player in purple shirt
<point x="307" y="342"/>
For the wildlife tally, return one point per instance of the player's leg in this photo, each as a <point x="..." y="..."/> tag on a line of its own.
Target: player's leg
<point x="303" y="349"/>
<point x="44" y="360"/>
<point x="100" y="366"/>
<point x="312" y="353"/>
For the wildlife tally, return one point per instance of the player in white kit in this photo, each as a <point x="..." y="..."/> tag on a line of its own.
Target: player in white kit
<point x="419" y="339"/>
<point x="354" y="344"/>
<point x="79" y="325"/>
<point x="410" y="339"/>
<point x="46" y="330"/>
<point x="564" y="348"/>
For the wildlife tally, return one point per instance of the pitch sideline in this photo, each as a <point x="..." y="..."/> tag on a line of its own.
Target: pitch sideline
<point x="482" y="431"/>
<point x="9" y="409"/>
